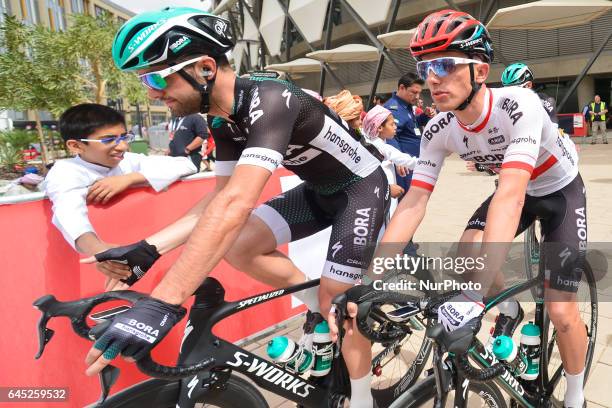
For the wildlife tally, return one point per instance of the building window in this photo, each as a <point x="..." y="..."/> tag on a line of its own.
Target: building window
<point x="157" y="118"/>
<point x="29" y="11"/>
<point x="77" y="6"/>
<point x="99" y="11"/>
<point x="57" y="19"/>
<point x="5" y="7"/>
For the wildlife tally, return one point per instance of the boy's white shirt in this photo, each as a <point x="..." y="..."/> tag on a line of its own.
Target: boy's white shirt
<point x="68" y="182"/>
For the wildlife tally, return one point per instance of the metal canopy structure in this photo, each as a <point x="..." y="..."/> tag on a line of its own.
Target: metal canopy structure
<point x="224" y="6"/>
<point x="297" y="66"/>
<point x="552" y="14"/>
<point x="397" y="39"/>
<point x="548" y="14"/>
<point x="346" y="53"/>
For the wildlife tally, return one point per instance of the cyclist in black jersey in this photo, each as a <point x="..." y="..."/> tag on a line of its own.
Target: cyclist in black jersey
<point x="260" y="124"/>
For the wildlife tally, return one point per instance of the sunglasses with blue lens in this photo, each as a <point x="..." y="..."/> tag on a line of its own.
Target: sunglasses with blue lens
<point x="442" y="67"/>
<point x="128" y="137"/>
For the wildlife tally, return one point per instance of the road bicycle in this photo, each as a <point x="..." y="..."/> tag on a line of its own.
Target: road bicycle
<point x="453" y="379"/>
<point x="208" y="366"/>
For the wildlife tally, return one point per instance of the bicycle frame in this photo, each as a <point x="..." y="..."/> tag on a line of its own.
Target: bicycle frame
<point x="528" y="394"/>
<point x="199" y="344"/>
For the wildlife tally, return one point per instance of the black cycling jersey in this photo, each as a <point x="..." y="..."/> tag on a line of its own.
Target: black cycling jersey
<point x="548" y="102"/>
<point x="275" y="122"/>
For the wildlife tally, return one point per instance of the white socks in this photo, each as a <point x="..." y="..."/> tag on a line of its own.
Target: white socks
<point x="574" y="394"/>
<point x="310" y="297"/>
<point x="509" y="307"/>
<point x="361" y="393"/>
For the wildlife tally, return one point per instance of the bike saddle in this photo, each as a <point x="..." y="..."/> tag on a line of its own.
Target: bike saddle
<point x="544" y="209"/>
<point x="458" y="341"/>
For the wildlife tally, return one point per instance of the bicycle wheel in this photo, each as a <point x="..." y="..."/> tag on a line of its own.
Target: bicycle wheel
<point x="479" y="395"/>
<point x="235" y="393"/>
<point x="399" y="364"/>
<point x="587" y="304"/>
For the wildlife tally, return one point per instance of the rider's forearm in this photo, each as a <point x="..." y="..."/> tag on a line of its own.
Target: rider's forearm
<point x="177" y="233"/>
<point x="406" y="219"/>
<point x="502" y="222"/>
<point x="215" y="232"/>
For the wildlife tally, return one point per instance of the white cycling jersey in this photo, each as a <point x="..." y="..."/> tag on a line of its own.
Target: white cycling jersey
<point x="513" y="131"/>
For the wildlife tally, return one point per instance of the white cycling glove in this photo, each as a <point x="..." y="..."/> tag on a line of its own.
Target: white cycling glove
<point x="459" y="310"/>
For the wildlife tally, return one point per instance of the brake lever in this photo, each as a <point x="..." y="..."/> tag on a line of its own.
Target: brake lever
<point x="108" y="376"/>
<point x="44" y="334"/>
<point x="76" y="311"/>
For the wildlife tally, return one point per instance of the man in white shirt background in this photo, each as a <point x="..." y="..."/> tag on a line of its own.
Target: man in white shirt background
<point x="101" y="169"/>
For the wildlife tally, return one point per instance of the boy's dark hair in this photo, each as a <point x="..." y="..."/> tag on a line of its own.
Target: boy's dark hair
<point x="410" y="79"/>
<point x="80" y="121"/>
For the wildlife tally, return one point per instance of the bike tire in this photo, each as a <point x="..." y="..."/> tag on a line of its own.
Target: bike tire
<point x="550" y="362"/>
<point x="422" y="395"/>
<point x="235" y="393"/>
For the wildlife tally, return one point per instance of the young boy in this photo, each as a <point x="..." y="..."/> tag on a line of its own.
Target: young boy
<point x="101" y="169"/>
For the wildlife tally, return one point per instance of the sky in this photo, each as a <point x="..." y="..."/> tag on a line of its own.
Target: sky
<point x="138" y="6"/>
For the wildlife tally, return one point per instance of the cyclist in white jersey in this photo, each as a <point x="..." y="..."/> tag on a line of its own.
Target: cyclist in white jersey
<point x="507" y="129"/>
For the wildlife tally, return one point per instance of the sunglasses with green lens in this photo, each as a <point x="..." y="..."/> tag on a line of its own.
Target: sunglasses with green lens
<point x="156" y="80"/>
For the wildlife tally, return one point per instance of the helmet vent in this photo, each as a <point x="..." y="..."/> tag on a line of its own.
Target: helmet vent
<point x="135" y="30"/>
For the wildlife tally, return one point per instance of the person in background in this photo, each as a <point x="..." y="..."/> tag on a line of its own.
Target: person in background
<point x="418" y="109"/>
<point x="349" y="107"/>
<point x="598" y="110"/>
<point x="401" y="105"/>
<point x="378" y="126"/>
<point x="101" y="169"/>
<point x="187" y="134"/>
<point x="519" y="74"/>
<point x="208" y="148"/>
<point x="378" y="100"/>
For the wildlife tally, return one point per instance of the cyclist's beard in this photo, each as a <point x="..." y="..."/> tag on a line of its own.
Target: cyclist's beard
<point x="188" y="105"/>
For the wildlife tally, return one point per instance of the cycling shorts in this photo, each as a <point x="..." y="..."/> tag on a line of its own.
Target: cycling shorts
<point x="562" y="217"/>
<point x="356" y="214"/>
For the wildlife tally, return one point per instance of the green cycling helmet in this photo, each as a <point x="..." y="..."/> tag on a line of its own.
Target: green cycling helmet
<point x="516" y="74"/>
<point x="161" y="37"/>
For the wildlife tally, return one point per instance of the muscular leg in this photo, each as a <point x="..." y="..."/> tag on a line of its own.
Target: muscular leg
<point x="571" y="331"/>
<point x="254" y="253"/>
<point x="468" y="248"/>
<point x="357" y="350"/>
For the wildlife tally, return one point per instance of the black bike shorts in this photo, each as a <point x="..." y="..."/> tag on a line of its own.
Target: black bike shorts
<point x="355" y="213"/>
<point x="562" y="216"/>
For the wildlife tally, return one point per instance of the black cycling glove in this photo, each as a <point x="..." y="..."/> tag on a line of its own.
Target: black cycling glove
<point x="140" y="257"/>
<point x="135" y="332"/>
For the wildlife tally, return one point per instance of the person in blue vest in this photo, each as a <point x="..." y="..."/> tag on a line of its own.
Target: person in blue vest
<point x="402" y="104"/>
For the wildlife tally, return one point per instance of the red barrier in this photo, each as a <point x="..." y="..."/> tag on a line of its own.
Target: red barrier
<point x="37" y="261"/>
